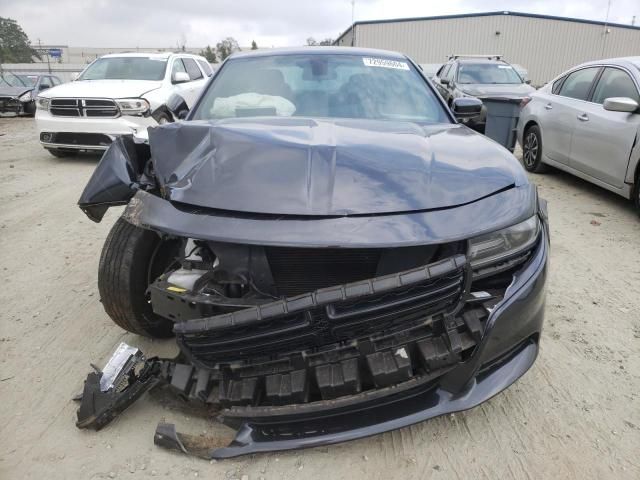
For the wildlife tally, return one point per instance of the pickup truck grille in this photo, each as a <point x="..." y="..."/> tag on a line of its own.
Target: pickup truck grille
<point x="83" y="107"/>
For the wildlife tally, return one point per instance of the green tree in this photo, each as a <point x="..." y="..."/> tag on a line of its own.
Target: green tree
<point x="226" y="47"/>
<point x="15" y="46"/>
<point x="210" y="54"/>
<point x="254" y="45"/>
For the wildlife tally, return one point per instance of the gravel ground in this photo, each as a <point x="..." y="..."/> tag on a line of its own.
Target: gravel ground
<point x="575" y="414"/>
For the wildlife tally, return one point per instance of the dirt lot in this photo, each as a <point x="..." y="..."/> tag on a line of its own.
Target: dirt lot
<point x="576" y="414"/>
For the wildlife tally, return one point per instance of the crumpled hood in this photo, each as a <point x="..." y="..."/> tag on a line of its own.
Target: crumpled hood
<point x="102" y="89"/>
<point x="300" y="166"/>
<point x="497" y="90"/>
<point x="14" y="91"/>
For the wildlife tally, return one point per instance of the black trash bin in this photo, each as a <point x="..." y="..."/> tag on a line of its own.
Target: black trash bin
<point x="502" y="118"/>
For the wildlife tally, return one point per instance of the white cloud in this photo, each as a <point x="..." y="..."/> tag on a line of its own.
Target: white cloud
<point x="147" y="23"/>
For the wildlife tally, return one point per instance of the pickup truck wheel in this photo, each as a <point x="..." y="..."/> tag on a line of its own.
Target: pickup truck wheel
<point x="532" y="150"/>
<point x="59" y="153"/>
<point x="131" y="259"/>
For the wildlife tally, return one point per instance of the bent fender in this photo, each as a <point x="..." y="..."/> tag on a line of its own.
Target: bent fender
<point x="117" y="177"/>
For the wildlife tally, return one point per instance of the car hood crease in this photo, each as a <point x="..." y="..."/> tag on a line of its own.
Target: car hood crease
<point x="301" y="166"/>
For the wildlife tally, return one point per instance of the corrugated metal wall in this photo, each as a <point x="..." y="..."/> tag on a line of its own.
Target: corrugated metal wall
<point x="545" y="47"/>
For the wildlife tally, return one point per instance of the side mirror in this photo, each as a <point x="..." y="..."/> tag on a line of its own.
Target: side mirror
<point x="178" y="106"/>
<point x="43" y="87"/>
<point x="180" y="77"/>
<point x="620" y="104"/>
<point x="444" y="81"/>
<point x="527" y="81"/>
<point x="74" y="76"/>
<point x="466" y="107"/>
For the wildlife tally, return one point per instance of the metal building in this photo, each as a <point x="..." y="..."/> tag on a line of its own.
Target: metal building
<point x="543" y="44"/>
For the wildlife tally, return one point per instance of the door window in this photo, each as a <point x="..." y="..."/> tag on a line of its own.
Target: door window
<point x="192" y="69"/>
<point x="205" y="67"/>
<point x="615" y="83"/>
<point x="557" y="84"/>
<point x="178" y="66"/>
<point x="578" y="84"/>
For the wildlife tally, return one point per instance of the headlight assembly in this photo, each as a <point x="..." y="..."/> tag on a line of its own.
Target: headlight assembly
<point x="133" y="106"/>
<point x="25" y="97"/>
<point x="42" y="103"/>
<point x="499" y="246"/>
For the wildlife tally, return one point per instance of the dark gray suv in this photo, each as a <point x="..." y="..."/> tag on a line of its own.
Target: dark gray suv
<point x="480" y="76"/>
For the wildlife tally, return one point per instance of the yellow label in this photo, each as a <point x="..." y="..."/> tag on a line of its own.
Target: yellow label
<point x="176" y="289"/>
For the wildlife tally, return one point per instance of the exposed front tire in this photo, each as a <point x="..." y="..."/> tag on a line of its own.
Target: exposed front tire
<point x="131" y="259"/>
<point x="532" y="150"/>
<point x="59" y="153"/>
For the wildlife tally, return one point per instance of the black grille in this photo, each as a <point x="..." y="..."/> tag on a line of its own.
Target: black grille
<point x="340" y="322"/>
<point x="301" y="270"/>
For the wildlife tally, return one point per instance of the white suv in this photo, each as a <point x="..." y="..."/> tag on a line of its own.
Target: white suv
<point x="117" y="94"/>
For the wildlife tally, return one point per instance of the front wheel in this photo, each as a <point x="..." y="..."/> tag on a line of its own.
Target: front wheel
<point x="532" y="150"/>
<point x="132" y="258"/>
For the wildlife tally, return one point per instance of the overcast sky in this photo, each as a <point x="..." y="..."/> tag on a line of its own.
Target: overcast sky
<point x="163" y="23"/>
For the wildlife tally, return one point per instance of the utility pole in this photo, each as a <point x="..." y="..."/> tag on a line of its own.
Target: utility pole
<point x="633" y="21"/>
<point x="40" y="49"/>
<point x="353" y="24"/>
<point x="606" y="28"/>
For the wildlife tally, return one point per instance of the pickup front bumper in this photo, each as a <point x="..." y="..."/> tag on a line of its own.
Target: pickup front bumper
<point x="86" y="133"/>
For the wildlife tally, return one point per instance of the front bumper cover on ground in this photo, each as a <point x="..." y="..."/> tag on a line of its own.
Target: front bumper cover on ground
<point x="506" y="350"/>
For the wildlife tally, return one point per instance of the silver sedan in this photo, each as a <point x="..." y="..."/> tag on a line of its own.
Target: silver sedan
<point x="587" y="122"/>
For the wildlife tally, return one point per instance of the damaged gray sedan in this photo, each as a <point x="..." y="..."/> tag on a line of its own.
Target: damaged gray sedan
<point x="335" y="254"/>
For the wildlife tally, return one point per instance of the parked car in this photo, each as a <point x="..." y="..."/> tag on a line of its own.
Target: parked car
<point x="116" y="94"/>
<point x="479" y="76"/>
<point x="336" y="254"/>
<point x="587" y="122"/>
<point x="18" y="91"/>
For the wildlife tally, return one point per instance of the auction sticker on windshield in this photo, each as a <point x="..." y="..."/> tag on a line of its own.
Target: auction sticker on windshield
<point x="384" y="63"/>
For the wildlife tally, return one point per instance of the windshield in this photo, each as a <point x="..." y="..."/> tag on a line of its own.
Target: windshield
<point x="12" y="80"/>
<point x="487" y="73"/>
<point x="126" y="68"/>
<point x="318" y="85"/>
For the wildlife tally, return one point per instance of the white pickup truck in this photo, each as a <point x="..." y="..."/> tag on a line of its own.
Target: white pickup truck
<point x="116" y="94"/>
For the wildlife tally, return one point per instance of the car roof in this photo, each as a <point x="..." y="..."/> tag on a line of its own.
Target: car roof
<point x="618" y="60"/>
<point x="149" y="55"/>
<point x="318" y="51"/>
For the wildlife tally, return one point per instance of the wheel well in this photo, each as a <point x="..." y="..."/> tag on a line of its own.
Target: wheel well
<point x="528" y="125"/>
<point x="162" y="109"/>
